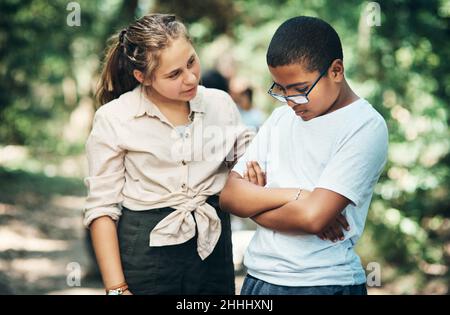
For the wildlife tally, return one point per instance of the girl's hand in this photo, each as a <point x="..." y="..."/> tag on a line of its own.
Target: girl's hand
<point x="254" y="174"/>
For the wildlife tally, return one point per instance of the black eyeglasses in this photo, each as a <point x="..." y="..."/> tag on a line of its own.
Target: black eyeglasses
<point x="297" y="98"/>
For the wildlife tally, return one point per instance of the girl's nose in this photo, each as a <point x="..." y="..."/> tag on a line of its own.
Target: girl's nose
<point x="190" y="78"/>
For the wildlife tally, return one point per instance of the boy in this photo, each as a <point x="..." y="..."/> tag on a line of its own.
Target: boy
<point x="323" y="153"/>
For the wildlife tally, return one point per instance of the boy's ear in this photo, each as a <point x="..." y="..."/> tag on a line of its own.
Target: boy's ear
<point x="336" y="71"/>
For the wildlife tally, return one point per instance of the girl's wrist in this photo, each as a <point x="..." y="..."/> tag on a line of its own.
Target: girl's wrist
<point x="118" y="289"/>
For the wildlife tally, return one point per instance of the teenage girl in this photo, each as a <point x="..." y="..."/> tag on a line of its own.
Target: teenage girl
<point x="159" y="153"/>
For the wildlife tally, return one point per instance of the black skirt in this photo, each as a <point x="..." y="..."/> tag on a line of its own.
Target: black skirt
<point x="174" y="269"/>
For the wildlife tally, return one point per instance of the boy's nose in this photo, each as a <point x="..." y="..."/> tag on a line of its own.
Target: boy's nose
<point x="295" y="107"/>
<point x="291" y="104"/>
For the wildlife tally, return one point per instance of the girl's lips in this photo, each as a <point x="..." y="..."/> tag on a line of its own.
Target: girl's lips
<point x="190" y="90"/>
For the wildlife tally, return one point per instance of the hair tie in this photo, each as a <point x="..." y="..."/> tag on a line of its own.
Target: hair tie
<point x="169" y="19"/>
<point x="122" y="36"/>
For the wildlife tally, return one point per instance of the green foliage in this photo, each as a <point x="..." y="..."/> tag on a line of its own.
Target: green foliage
<point x="39" y="50"/>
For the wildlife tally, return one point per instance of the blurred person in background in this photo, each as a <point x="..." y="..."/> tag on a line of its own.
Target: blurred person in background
<point x="242" y="94"/>
<point x="213" y="79"/>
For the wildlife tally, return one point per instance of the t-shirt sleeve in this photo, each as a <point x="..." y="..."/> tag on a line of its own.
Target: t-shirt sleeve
<point x="243" y="135"/>
<point x="357" y="162"/>
<point x="258" y="149"/>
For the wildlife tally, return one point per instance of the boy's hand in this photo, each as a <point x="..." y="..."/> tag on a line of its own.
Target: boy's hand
<point x="254" y="174"/>
<point x="334" y="231"/>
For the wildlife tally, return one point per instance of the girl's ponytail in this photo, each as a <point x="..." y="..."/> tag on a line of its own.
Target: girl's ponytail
<point x="116" y="77"/>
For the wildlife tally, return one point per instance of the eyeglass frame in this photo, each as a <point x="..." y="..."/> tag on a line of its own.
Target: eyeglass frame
<point x="289" y="97"/>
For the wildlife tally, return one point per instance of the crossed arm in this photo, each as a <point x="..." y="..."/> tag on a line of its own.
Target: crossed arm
<point x="316" y="212"/>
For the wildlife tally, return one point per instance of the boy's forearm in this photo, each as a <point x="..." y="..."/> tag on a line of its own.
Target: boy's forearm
<point x="289" y="218"/>
<point x="245" y="199"/>
<point x="310" y="214"/>
<point x="106" y="246"/>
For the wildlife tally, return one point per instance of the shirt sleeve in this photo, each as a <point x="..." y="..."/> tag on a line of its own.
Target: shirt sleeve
<point x="258" y="150"/>
<point x="106" y="171"/>
<point x="357" y="162"/>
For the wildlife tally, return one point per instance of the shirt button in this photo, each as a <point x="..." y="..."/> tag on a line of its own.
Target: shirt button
<point x="183" y="186"/>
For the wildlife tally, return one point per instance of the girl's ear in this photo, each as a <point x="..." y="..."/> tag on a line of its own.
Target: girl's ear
<point x="336" y="70"/>
<point x="138" y="75"/>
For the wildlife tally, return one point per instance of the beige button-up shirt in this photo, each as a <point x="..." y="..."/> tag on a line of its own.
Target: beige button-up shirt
<point x="138" y="159"/>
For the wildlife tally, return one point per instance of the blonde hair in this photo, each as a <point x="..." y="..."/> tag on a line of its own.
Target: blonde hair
<point x="136" y="47"/>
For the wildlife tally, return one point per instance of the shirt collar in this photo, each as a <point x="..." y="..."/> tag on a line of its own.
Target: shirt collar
<point x="145" y="106"/>
<point x="197" y="103"/>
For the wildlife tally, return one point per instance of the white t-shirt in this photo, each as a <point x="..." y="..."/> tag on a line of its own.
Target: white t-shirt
<point x="344" y="151"/>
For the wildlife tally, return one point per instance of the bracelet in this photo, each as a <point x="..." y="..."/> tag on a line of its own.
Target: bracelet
<point x="298" y="194"/>
<point x="122" y="286"/>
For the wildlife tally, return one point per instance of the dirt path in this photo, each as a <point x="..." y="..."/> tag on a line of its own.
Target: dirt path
<point x="41" y="235"/>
